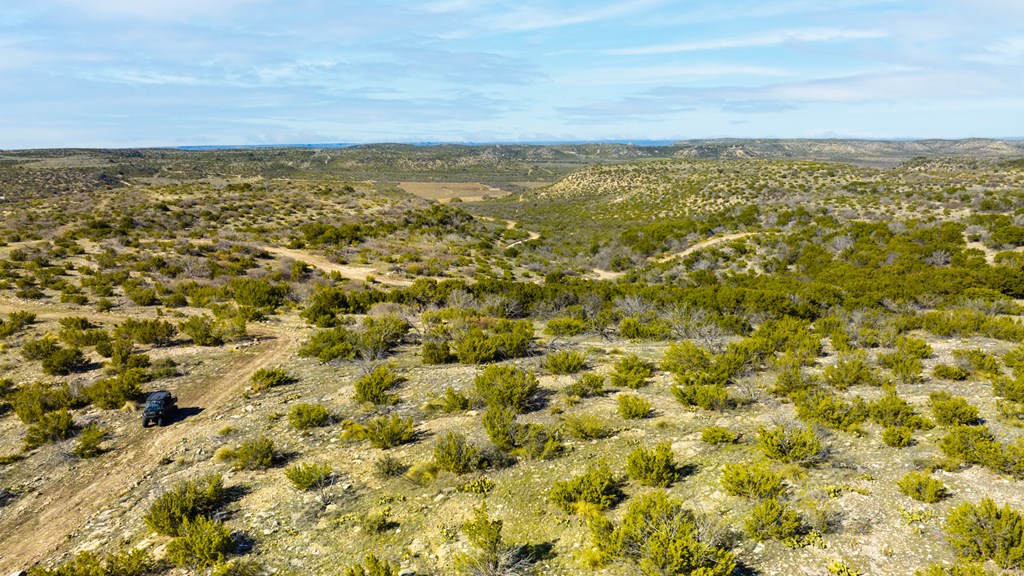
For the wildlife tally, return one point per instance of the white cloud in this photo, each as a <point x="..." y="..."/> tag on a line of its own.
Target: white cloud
<point x="753" y="41"/>
<point x="1004" y="51"/>
<point x="662" y="74"/>
<point x="153" y="9"/>
<point x="528" y="18"/>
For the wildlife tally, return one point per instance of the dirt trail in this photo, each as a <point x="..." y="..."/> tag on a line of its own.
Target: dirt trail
<point x="511" y="225"/>
<point x="39" y="529"/>
<point x="350" y="272"/>
<point x="705" y="244"/>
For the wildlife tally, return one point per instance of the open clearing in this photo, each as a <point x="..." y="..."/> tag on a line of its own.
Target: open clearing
<point x="446" y="191"/>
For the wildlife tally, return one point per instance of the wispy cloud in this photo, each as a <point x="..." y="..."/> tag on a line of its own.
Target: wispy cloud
<point x="176" y="71"/>
<point x="754" y="41"/>
<point x="527" y="17"/>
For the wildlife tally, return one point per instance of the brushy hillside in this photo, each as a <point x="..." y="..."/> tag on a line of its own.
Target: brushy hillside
<point x="654" y="366"/>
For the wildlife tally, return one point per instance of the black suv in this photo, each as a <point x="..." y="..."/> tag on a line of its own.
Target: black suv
<point x="160" y="407"/>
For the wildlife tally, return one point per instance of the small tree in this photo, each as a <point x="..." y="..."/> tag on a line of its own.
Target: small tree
<point x="653" y="467"/>
<point x="984" y="531"/>
<point x="203" y="543"/>
<point x="491" y="555"/>
<point x="791" y="444"/>
<point x="312" y="477"/>
<point x="89" y="441"/>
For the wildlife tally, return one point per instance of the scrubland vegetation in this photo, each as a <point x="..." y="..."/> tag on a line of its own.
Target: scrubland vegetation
<point x="667" y="366"/>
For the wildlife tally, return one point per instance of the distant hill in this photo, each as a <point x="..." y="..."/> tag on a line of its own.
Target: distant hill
<point x="875" y="152"/>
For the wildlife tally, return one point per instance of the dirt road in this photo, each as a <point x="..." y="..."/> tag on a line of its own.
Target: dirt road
<point x="350" y="272"/>
<point x="35" y="530"/>
<point x="704" y="244"/>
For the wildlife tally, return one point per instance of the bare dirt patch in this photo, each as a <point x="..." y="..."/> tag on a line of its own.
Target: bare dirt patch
<point x="446" y="191"/>
<point x="45" y="520"/>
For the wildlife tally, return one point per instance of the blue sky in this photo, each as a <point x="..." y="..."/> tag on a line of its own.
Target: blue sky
<point x="193" y="72"/>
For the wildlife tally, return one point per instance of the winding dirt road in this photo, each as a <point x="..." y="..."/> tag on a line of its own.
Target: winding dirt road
<point x="35" y="529"/>
<point x="346" y="271"/>
<point x="704" y="244"/>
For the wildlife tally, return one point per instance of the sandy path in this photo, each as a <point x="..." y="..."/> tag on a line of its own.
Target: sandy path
<point x="38" y="530"/>
<point x="705" y="244"/>
<point x="319" y="261"/>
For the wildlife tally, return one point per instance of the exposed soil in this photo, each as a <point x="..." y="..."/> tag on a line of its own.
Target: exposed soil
<point x="38" y="526"/>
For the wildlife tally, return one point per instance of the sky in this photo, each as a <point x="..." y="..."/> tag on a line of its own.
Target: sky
<point x="131" y="73"/>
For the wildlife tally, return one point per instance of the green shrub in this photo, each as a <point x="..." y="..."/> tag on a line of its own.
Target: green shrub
<point x="64" y="361"/>
<point x="436" y="352"/>
<point x="595" y="489"/>
<point x="653" y="467"/>
<point x="773" y="520"/>
<point x="631" y="371"/>
<point x="15" y="322"/>
<point x="633" y="407"/>
<point x="203" y="543"/>
<point x="718" y="435"/>
<point x="39" y="348"/>
<point x="507" y="386"/>
<point x="373" y="566"/>
<point x="586" y="385"/>
<point x="387" y="466"/>
<point x="974" y="445"/>
<point x="585" y="427"/>
<point x="948" y="372"/>
<point x="984" y="531"/>
<point x="535" y="441"/>
<point x="897" y="436"/>
<point x="850" y="370"/>
<point x="374" y="387"/>
<point x="687" y="361"/>
<point x="658" y="537"/>
<point x="51" y="427"/>
<point x="891" y="410"/>
<point x="644" y="328"/>
<point x="490" y="555"/>
<point x="333" y="344"/>
<point x="922" y="487"/>
<point x="264" y="378"/>
<point x="906" y="368"/>
<point x="755" y="481"/>
<point x="1012" y="390"/>
<point x="32" y="401"/>
<point x="310" y="477"/>
<point x="475" y="347"/>
<point x="529" y="440"/>
<point x="819" y="405"/>
<point x="952" y="410"/>
<point x="154" y="331"/>
<point x="914" y="347"/>
<point x="705" y="396"/>
<point x="378" y="335"/>
<point x="564" y="362"/>
<point x="956" y="570"/>
<point x="565" y="327"/>
<point x="790" y="444"/>
<point x="89" y="441"/>
<point x="132" y="562"/>
<point x="452" y="452"/>
<point x="986" y="364"/>
<point x="202" y="330"/>
<point x="256" y="454"/>
<point x="113" y="393"/>
<point x="389" y="431"/>
<point x="306" y="416"/>
<point x="186" y="500"/>
<point x="450" y="401"/>
<point x="501" y="427"/>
